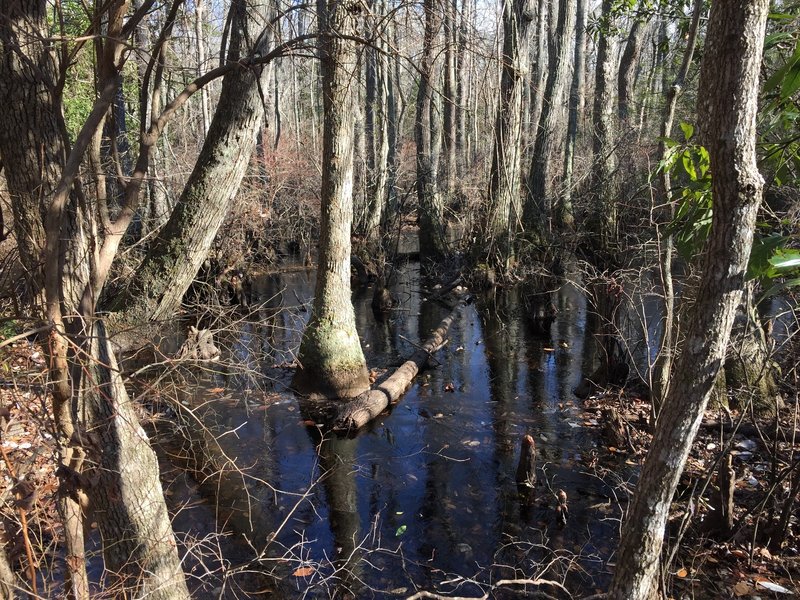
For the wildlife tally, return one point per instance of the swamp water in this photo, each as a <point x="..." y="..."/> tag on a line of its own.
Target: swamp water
<point x="424" y="497"/>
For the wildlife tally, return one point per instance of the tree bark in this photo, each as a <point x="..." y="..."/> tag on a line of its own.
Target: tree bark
<point x="462" y="92"/>
<point x="431" y="206"/>
<point x="200" y="49"/>
<point x="505" y="179"/>
<point x="174" y="258"/>
<point x="548" y="153"/>
<point x="377" y="132"/>
<point x="540" y="74"/>
<point x="128" y="504"/>
<point x="564" y="215"/>
<point x="8" y="580"/>
<point x="34" y="146"/>
<point x="449" y="127"/>
<point x="729" y="84"/>
<point x="603" y="225"/>
<point x="626" y="78"/>
<point x="331" y="359"/>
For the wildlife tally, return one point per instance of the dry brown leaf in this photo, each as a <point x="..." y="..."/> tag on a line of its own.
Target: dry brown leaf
<point x="682" y="573"/>
<point x="303" y="571"/>
<point x="742" y="588"/>
<point x="216" y="390"/>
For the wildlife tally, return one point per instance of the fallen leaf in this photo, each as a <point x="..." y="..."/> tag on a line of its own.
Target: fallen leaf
<point x="742" y="588"/>
<point x="303" y="571"/>
<point x="216" y="390"/>
<point x="682" y="573"/>
<point x="764" y="553"/>
<point x="400" y="531"/>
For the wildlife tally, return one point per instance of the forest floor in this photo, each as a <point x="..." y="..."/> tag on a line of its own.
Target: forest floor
<point x="742" y="563"/>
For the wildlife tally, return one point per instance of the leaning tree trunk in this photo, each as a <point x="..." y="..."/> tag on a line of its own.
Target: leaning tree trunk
<point x="729" y="83"/>
<point x="331" y="360"/>
<point x="506" y="175"/>
<point x="548" y="153"/>
<point x="431" y="206"/>
<point x="182" y="245"/>
<point x="128" y="503"/>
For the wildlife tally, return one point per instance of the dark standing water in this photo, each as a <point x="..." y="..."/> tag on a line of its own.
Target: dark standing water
<point x="424" y="498"/>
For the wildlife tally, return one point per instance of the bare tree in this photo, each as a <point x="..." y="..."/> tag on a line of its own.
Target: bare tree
<point x="628" y="66"/>
<point x="603" y="222"/>
<point x="431" y="203"/>
<point x="377" y="126"/>
<point x="577" y="97"/>
<point x="548" y="150"/>
<point x="505" y="180"/>
<point x="663" y="365"/>
<point x="450" y="99"/>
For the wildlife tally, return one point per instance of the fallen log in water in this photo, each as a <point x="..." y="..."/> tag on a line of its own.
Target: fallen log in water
<point x="360" y="411"/>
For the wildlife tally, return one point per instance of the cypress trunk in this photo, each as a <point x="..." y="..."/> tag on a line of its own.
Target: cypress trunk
<point x="331" y="360"/>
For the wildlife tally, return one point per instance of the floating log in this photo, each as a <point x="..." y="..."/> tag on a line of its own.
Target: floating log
<point x="360" y="411"/>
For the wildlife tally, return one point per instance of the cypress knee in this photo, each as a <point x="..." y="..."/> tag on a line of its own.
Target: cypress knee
<point x="526" y="469"/>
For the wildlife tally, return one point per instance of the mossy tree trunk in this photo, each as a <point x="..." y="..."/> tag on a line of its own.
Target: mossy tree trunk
<point x="331" y="360"/>
<point x="174" y="258"/>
